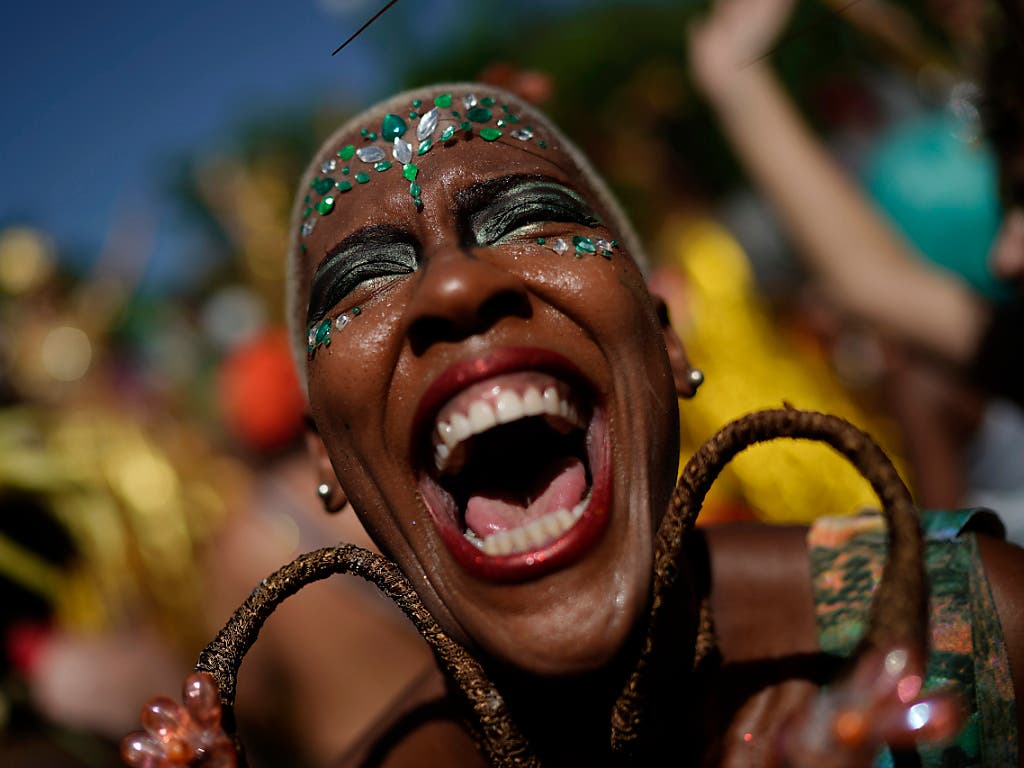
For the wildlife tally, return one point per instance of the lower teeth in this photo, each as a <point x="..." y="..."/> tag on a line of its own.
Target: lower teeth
<point x="535" y="534"/>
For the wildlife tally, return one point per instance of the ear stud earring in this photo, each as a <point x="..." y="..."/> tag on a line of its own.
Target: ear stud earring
<point x="695" y="378"/>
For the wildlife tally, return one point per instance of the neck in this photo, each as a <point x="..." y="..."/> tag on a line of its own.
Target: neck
<point x="567" y="720"/>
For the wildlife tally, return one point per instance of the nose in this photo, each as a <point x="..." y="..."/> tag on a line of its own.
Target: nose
<point x="460" y="295"/>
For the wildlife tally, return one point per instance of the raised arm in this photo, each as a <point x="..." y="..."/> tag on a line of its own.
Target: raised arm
<point x="864" y="264"/>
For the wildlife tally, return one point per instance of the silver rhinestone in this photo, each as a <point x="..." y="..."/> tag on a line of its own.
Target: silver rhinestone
<point x="696" y="377"/>
<point x="469" y="100"/>
<point x="307" y="227"/>
<point x="602" y="244"/>
<point x="311" y="338"/>
<point x="371" y="154"/>
<point x="341" y="321"/>
<point x="523" y="134"/>
<point x="558" y="245"/>
<point x="402" y="151"/>
<point x="329" y="165"/>
<point x="427" y="124"/>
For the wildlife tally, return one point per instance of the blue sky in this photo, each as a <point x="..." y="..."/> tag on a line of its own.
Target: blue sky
<point x="99" y="97"/>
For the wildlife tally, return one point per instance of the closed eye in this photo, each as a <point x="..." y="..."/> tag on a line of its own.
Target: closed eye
<point x="524" y="204"/>
<point x="373" y="254"/>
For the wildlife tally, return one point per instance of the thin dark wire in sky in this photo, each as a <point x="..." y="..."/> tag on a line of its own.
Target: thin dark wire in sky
<point x="359" y="31"/>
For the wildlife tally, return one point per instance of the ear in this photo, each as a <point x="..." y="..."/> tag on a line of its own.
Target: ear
<point x="687" y="378"/>
<point x="329" y="490"/>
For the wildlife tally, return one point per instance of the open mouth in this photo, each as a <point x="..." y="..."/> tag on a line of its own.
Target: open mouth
<point x="513" y="471"/>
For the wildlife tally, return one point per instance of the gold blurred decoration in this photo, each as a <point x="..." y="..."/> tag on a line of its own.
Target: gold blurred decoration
<point x="750" y="365"/>
<point x="137" y="504"/>
<point x="251" y="202"/>
<point x="26" y="259"/>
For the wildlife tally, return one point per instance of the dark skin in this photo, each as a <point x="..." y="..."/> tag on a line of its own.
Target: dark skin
<point x="465" y="283"/>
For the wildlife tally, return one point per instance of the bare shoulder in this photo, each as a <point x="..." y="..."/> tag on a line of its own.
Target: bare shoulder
<point x="421" y="730"/>
<point x="761" y="594"/>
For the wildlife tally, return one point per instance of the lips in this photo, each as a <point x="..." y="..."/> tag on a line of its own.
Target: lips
<point x="513" y="461"/>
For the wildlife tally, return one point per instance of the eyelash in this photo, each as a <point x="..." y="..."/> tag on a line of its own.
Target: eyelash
<point x="356" y="271"/>
<point x="530" y="215"/>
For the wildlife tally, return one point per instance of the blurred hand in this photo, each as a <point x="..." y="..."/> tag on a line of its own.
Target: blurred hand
<point x="182" y="736"/>
<point x="735" y="36"/>
<point x="879" y="703"/>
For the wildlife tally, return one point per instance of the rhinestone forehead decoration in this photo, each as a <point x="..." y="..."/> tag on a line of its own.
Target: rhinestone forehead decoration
<point x="481" y="114"/>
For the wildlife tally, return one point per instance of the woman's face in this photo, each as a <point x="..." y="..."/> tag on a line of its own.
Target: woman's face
<point x="501" y="415"/>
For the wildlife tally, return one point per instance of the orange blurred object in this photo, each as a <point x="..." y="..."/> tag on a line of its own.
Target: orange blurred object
<point x="259" y="394"/>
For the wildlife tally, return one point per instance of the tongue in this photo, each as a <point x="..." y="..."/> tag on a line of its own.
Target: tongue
<point x="561" y="488"/>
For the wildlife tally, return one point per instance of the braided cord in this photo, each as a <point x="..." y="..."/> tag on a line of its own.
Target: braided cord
<point x="498" y="735"/>
<point x="899" y="611"/>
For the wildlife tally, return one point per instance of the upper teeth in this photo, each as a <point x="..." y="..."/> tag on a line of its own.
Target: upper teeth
<point x="506" y="405"/>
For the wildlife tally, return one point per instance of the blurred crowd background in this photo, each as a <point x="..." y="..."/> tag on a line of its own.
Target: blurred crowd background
<point x="151" y="456"/>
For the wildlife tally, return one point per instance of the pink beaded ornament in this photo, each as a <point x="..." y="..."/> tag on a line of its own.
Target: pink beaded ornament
<point x="178" y="735"/>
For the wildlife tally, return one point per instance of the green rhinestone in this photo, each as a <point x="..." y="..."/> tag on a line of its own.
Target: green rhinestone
<point x="489" y="134"/>
<point x="305" y="199"/>
<point x="356" y="311"/>
<point x="541" y="241"/>
<point x="371" y="136"/>
<point x="583" y="244"/>
<point x="344" y="171"/>
<point x="343" y="185"/>
<point x="500" y="123"/>
<point x="443" y="101"/>
<point x="363" y="132"/>
<point x="615" y="243"/>
<point x="305" y="213"/>
<point x="479" y="115"/>
<point x="487" y="101"/>
<point x="362" y="178"/>
<point x="413" y="115"/>
<point x="542" y="144"/>
<point x="417" y="103"/>
<point x="382" y="166"/>
<point x="447" y="133"/>
<point x="506" y="108"/>
<point x="325" y="206"/>
<point x="455" y="114"/>
<point x="323" y="334"/>
<point x="414" y="189"/>
<point x="410" y="171"/>
<point x="607" y="255"/>
<point x="512" y="118"/>
<point x="323" y="186"/>
<point x="417" y="202"/>
<point x="465" y="125"/>
<point x="424" y="146"/>
<point x="392" y="127"/>
<point x="302" y="247"/>
<point x="346" y="153"/>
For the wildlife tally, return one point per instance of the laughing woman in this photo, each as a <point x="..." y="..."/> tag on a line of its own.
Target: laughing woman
<point x="494" y="391"/>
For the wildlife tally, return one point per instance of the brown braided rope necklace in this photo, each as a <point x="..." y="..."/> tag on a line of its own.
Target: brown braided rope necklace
<point x="898" y="613"/>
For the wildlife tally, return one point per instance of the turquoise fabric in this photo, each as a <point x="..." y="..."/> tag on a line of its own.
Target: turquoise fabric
<point x="941" y="192"/>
